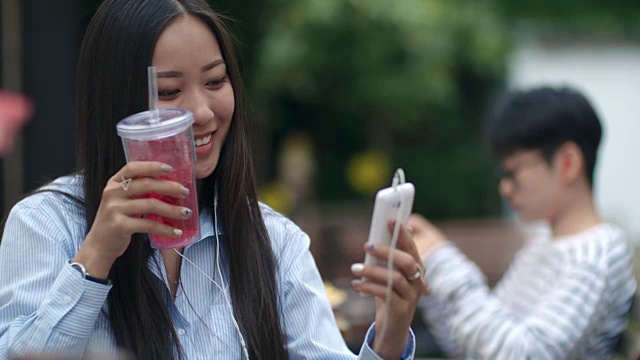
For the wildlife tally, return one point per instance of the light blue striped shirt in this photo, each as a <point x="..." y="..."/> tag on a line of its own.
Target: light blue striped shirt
<point x="46" y="306"/>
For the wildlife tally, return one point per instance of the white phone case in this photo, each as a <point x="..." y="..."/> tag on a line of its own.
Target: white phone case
<point x="390" y="203"/>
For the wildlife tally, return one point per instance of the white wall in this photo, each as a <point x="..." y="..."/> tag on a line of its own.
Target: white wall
<point x="609" y="75"/>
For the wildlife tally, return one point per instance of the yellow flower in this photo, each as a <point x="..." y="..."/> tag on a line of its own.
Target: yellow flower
<point x="369" y="171"/>
<point x="274" y="195"/>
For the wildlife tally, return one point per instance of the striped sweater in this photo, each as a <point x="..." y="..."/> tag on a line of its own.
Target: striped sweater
<point x="561" y="299"/>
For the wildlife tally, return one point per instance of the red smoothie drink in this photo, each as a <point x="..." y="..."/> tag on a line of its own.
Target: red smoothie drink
<point x="165" y="135"/>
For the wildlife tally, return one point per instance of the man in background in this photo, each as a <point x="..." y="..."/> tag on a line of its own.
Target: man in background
<point x="566" y="295"/>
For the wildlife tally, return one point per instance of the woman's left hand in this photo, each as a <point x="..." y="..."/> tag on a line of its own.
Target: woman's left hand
<point x="408" y="287"/>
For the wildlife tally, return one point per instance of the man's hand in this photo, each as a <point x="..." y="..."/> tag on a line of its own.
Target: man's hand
<point x="426" y="236"/>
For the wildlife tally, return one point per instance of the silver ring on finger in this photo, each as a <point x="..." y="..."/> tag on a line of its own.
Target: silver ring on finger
<point x="124" y="184"/>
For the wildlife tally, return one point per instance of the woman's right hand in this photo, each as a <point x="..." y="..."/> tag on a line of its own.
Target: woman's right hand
<point x="120" y="214"/>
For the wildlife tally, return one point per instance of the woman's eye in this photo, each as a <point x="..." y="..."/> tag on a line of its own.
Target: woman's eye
<point x="216" y="84"/>
<point x="168" y="94"/>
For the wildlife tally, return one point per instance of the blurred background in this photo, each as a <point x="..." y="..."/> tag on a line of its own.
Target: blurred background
<point x="343" y="92"/>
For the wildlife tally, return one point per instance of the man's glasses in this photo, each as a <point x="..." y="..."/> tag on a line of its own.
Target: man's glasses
<point x="502" y="173"/>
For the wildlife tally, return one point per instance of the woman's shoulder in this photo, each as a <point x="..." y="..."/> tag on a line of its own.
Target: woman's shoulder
<point x="59" y="201"/>
<point x="66" y="191"/>
<point x="285" y="235"/>
<point x="54" y="213"/>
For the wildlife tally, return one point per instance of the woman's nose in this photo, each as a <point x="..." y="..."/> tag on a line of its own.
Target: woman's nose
<point x="202" y="112"/>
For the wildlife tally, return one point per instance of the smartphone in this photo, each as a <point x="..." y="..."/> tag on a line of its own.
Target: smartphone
<point x="389" y="203"/>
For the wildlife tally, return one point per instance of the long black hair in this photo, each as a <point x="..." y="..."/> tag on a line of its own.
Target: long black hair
<point x="111" y="84"/>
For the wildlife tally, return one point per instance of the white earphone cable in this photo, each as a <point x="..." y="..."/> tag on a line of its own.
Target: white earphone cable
<point x="222" y="288"/>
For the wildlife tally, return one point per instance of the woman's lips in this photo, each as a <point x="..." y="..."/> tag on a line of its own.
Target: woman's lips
<point x="204" y="144"/>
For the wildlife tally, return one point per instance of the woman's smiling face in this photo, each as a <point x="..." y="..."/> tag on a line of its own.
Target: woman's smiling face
<point x="192" y="75"/>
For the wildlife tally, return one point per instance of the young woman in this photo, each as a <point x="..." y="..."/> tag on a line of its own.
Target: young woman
<point x="78" y="273"/>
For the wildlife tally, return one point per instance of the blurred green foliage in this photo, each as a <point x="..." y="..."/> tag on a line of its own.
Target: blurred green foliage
<point x="618" y="19"/>
<point x="410" y="78"/>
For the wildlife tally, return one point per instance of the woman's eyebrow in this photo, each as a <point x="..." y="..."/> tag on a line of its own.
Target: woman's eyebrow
<point x="177" y="74"/>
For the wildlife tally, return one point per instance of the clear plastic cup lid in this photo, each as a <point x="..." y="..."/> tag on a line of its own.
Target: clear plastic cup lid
<point x="158" y="124"/>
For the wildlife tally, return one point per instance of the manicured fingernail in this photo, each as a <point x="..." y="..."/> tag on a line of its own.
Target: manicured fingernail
<point x="186" y="212"/>
<point x="177" y="232"/>
<point x="357" y="268"/>
<point x="356" y="282"/>
<point x="184" y="191"/>
<point x="166" y="168"/>
<point x="370" y="246"/>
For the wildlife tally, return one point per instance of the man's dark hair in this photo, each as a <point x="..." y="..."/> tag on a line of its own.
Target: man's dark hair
<point x="544" y="119"/>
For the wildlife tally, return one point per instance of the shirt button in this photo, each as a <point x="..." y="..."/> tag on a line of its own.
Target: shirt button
<point x="66" y="299"/>
<point x="181" y="332"/>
